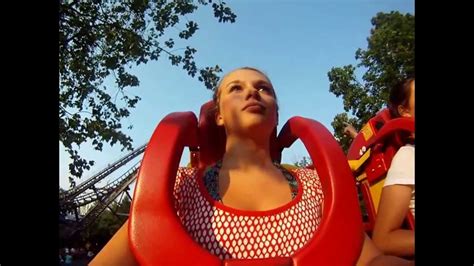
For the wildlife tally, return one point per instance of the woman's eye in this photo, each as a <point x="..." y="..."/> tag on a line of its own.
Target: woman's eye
<point x="263" y="89"/>
<point x="235" y="88"/>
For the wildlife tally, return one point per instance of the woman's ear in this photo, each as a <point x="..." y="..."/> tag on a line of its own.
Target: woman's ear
<point x="219" y="119"/>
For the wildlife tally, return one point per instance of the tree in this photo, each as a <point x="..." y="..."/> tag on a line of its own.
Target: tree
<point x="390" y="57"/>
<point x="124" y="206"/>
<point x="107" y="224"/>
<point x="304" y="162"/>
<point x="100" y="39"/>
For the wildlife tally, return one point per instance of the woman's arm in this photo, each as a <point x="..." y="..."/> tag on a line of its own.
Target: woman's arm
<point x="371" y="256"/>
<point x="116" y="251"/>
<point x="392" y="211"/>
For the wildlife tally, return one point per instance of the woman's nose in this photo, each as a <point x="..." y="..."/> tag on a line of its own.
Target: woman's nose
<point x="252" y="92"/>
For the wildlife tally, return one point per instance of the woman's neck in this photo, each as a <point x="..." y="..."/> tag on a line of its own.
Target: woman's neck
<point x="246" y="154"/>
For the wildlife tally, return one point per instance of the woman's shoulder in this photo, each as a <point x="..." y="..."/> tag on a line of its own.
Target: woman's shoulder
<point x="405" y="153"/>
<point x="305" y="172"/>
<point x="185" y="180"/>
<point x="408" y="148"/>
<point x="184" y="173"/>
<point x="307" y="176"/>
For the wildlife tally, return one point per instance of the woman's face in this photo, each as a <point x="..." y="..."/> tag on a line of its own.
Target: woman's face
<point x="247" y="103"/>
<point x="411" y="101"/>
<point x="409" y="110"/>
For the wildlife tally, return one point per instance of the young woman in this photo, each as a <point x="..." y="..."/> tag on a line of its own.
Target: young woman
<point x="246" y="206"/>
<point x="398" y="193"/>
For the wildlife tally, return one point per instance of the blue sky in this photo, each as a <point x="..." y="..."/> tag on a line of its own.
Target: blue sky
<point x="295" y="42"/>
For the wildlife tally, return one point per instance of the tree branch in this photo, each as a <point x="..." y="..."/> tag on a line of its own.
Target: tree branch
<point x="64" y="109"/>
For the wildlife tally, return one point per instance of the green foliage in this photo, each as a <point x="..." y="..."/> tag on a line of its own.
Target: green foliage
<point x="389" y="57"/>
<point x="107" y="223"/>
<point x="305" y="161"/>
<point x="100" y="39"/>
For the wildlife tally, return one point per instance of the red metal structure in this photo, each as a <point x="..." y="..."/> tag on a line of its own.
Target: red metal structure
<point x="156" y="235"/>
<point x="371" y="154"/>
